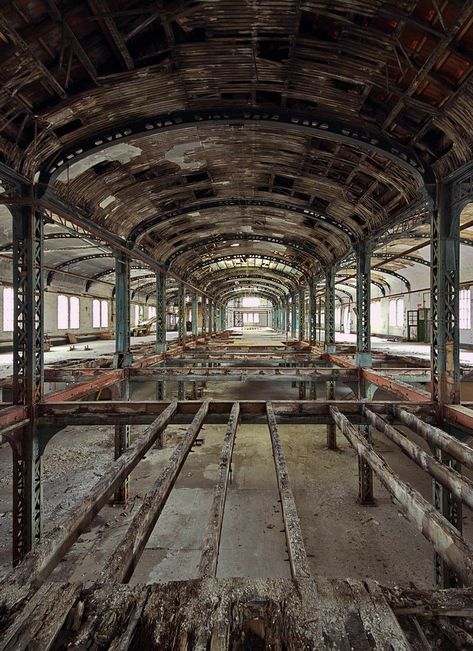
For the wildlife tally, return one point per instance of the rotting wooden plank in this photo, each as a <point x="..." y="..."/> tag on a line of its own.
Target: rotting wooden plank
<point x="378" y="619"/>
<point x="42" y="620"/>
<point x="126" y="555"/>
<point x="332" y="616"/>
<point x="209" y="557"/>
<point x="446" y="540"/>
<point x="437" y="437"/>
<point x="39" y="563"/>
<point x="295" y="542"/>
<point x="125" y="640"/>
<point x="461" y="487"/>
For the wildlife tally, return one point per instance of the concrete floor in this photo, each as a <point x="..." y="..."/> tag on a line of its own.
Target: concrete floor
<point x="342" y="538"/>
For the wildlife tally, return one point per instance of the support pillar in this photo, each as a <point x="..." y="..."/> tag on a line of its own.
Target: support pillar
<point x="301" y="312"/>
<point x="204" y="316"/>
<point x="445" y="349"/>
<point x="329" y="345"/>
<point x="123" y="358"/>
<point x="445" y="290"/>
<point x="363" y="300"/>
<point x="313" y="313"/>
<point x="210" y="317"/>
<point x="293" y="317"/>
<point x="451" y="509"/>
<point x="181" y="307"/>
<point x="28" y="376"/>
<point x="195" y="329"/>
<point x="161" y="316"/>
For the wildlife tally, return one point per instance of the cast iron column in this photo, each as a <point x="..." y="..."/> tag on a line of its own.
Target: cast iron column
<point x="445" y="290"/>
<point x="195" y="330"/>
<point x="363" y="298"/>
<point x="293" y="316"/>
<point x="28" y="376"/>
<point x="204" y="315"/>
<point x="123" y="357"/>
<point x="301" y="312"/>
<point x="161" y="317"/>
<point x="329" y="344"/>
<point x="181" y="303"/>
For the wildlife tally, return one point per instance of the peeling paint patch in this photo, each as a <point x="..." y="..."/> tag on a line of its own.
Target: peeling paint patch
<point x="106" y="202"/>
<point x="179" y="155"/>
<point x="122" y="153"/>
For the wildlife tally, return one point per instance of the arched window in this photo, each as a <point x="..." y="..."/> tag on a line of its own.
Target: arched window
<point x="392" y="313"/>
<point x="465" y="309"/>
<point x="376" y="315"/>
<point x="400" y="312"/>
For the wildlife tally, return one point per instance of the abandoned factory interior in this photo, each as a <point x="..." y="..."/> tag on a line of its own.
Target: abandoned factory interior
<point x="236" y="325"/>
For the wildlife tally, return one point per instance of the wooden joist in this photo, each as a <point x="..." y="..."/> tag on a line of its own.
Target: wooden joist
<point x="40" y="562"/>
<point x="292" y="526"/>
<point x="445" y="539"/>
<point x="126" y="555"/>
<point x="209" y="556"/>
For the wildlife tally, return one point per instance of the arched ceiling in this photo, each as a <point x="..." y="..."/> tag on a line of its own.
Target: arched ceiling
<point x="227" y="136"/>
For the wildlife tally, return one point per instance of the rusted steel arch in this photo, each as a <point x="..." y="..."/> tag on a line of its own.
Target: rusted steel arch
<point x="314" y="242"/>
<point x="310" y="214"/>
<point x="298" y="247"/>
<point x="78" y="260"/>
<point x="231" y="294"/>
<point x="382" y="286"/>
<point x="270" y="259"/>
<point x="383" y="270"/>
<point x="362" y="136"/>
<point x="236" y="274"/>
<point x="410" y="258"/>
<point x="59" y="236"/>
<point x="108" y="272"/>
<point x="217" y="288"/>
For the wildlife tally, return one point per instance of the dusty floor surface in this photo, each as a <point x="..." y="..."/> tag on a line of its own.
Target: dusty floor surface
<point x="342" y="538"/>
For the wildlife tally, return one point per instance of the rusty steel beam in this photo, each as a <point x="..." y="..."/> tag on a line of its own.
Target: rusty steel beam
<point x="209" y="556"/>
<point x="105" y="412"/>
<point x="124" y="559"/>
<point x="461" y="487"/>
<point x="41" y="561"/>
<point x="436" y="437"/>
<point x="446" y="540"/>
<point x="292" y="526"/>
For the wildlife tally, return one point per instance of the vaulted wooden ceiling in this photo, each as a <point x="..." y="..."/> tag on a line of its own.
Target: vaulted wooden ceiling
<point x="204" y="131"/>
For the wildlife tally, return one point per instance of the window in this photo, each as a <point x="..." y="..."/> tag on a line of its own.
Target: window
<point x="250" y="301"/>
<point x="151" y="312"/>
<point x="8" y="309"/>
<point x="465" y="309"/>
<point x="99" y="314"/>
<point x="135" y="315"/>
<point x="67" y="312"/>
<point x="376" y="316"/>
<point x="400" y="312"/>
<point x="396" y="312"/>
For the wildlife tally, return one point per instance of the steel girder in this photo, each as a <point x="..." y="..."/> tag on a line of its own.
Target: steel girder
<point x="445" y="288"/>
<point x="287" y="281"/>
<point x="247" y="256"/>
<point x="308" y="213"/>
<point x="28" y="376"/>
<point x="301" y="312"/>
<point x="364" y="136"/>
<point x="194" y="314"/>
<point x="408" y="258"/>
<point x="78" y="260"/>
<point x="181" y="302"/>
<point x="330" y="275"/>
<point x="363" y="302"/>
<point x="204" y="315"/>
<point x="299" y="246"/>
<point x="123" y="357"/>
<point x="251" y="287"/>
